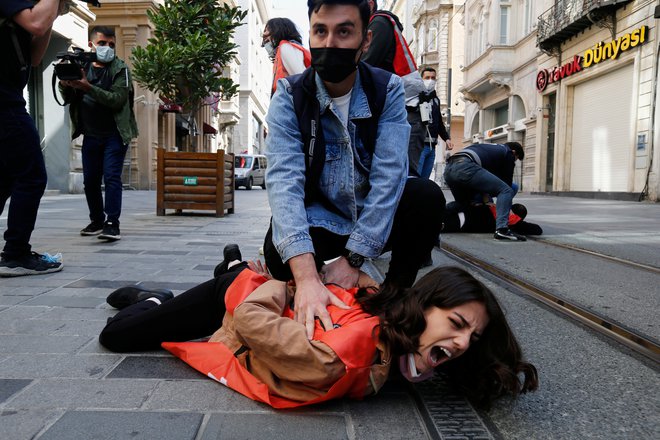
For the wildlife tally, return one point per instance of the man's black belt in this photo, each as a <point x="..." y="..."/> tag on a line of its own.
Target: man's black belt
<point x="412" y="109"/>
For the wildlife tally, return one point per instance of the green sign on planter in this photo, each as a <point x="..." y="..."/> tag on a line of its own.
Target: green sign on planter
<point x="190" y="180"/>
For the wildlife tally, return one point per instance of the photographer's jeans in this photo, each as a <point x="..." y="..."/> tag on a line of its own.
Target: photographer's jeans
<point x="103" y="160"/>
<point x="22" y="177"/>
<point x="426" y="161"/>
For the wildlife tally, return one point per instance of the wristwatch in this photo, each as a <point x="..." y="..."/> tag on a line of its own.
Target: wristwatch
<point x="354" y="259"/>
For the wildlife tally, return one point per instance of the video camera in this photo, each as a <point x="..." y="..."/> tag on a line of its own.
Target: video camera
<point x="71" y="63"/>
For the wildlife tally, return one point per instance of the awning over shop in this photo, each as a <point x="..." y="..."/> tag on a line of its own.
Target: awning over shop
<point x="207" y="129"/>
<point x="169" y="107"/>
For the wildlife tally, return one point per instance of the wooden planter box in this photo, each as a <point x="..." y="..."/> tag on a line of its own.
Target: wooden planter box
<point x="195" y="181"/>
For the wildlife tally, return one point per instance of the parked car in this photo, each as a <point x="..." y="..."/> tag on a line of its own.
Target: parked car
<point x="250" y="169"/>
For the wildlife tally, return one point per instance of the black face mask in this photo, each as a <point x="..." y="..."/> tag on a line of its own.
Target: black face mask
<point x="334" y="64"/>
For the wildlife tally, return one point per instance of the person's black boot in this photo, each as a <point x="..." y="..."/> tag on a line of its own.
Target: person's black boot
<point x="231" y="252"/>
<point x="129" y="295"/>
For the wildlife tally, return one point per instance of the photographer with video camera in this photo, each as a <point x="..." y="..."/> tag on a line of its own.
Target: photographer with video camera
<point x="25" y="29"/>
<point x="101" y="109"/>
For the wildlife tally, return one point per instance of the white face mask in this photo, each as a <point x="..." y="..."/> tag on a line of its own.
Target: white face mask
<point x="409" y="370"/>
<point x="429" y="84"/>
<point x="104" y="54"/>
<point x="270" y="49"/>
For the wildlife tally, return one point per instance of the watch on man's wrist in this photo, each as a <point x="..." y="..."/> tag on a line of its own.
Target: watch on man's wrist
<point x="354" y="259"/>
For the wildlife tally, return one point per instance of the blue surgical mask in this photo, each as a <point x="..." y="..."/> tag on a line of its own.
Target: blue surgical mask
<point x="270" y="49"/>
<point x="104" y="54"/>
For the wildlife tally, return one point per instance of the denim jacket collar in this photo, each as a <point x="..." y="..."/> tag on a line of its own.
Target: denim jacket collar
<point x="359" y="106"/>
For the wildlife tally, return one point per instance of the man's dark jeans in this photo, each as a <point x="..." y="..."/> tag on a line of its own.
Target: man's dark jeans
<point x="103" y="158"/>
<point x="465" y="178"/>
<point x="22" y="177"/>
<point x="416" y="227"/>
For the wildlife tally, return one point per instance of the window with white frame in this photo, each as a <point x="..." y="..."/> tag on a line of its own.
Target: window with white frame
<point x="433" y="36"/>
<point x="422" y="39"/>
<point x="505" y="19"/>
<point x="481" y="35"/>
<point x="529" y="21"/>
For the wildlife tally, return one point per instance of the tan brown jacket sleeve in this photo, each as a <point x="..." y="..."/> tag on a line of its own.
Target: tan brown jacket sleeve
<point x="279" y="348"/>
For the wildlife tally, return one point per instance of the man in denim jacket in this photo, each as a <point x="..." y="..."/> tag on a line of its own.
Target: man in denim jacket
<point x="368" y="205"/>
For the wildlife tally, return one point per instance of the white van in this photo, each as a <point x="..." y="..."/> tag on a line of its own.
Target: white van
<point x="250" y="169"/>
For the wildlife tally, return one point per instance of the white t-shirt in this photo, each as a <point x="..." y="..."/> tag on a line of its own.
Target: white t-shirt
<point x="341" y="104"/>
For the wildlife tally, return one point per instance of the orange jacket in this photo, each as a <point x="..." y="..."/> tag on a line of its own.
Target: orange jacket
<point x="264" y="354"/>
<point x="278" y="66"/>
<point x="513" y="218"/>
<point x="404" y="62"/>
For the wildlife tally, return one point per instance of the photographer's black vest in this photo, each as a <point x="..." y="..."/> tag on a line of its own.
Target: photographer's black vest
<point x="374" y="83"/>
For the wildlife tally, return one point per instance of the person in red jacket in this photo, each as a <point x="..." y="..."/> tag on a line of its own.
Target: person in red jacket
<point x="283" y="43"/>
<point x="448" y="320"/>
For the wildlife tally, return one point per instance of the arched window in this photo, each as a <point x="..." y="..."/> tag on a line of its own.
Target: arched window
<point x="518" y="111"/>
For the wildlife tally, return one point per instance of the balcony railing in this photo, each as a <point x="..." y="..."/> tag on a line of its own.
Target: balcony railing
<point x="567" y="18"/>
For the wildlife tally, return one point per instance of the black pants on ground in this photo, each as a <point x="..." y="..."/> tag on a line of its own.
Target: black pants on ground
<point x="417" y="224"/>
<point x="194" y="314"/>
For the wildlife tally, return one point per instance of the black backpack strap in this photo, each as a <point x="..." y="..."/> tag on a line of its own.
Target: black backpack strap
<point x="374" y="83"/>
<point x="9" y="23"/>
<point x="308" y="112"/>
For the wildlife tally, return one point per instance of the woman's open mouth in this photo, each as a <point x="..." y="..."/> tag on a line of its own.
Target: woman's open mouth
<point x="438" y="355"/>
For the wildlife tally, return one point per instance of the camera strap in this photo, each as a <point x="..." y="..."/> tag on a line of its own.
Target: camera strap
<point x="53" y="81"/>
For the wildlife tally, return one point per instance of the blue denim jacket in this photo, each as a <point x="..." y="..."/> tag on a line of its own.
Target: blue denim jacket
<point x="365" y="188"/>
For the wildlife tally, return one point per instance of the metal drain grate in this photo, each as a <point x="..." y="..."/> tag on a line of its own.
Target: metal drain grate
<point x="448" y="415"/>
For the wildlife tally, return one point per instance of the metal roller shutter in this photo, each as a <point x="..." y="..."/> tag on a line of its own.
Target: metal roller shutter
<point x="600" y="156"/>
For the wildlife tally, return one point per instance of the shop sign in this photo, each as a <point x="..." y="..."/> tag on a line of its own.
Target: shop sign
<point x="597" y="54"/>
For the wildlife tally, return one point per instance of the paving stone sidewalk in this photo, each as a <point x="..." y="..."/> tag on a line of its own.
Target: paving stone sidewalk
<point x="57" y="382"/>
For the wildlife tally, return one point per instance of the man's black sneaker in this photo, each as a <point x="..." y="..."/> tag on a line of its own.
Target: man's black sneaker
<point x="33" y="264"/>
<point x="231" y="252"/>
<point x="506" y="234"/>
<point x="110" y="232"/>
<point x="94" y="228"/>
<point x="128" y="295"/>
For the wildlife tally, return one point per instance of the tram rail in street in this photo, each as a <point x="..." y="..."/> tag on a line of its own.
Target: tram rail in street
<point x="628" y="337"/>
<point x="634" y="264"/>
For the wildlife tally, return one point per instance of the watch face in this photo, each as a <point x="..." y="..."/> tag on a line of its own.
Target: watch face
<point x="355" y="260"/>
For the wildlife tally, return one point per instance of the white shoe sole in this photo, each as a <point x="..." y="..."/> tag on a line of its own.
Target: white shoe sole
<point x="109" y="237"/>
<point x="22" y="271"/>
<point x="88" y="234"/>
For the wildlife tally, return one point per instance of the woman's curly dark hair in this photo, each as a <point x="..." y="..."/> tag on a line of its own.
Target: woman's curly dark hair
<point x="489" y="368"/>
<point x="283" y="29"/>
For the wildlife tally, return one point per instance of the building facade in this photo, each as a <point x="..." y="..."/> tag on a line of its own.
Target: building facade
<point x="213" y="124"/>
<point x="597" y="82"/>
<point x="499" y="77"/>
<point x="256" y="74"/>
<point x="439" y="37"/>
